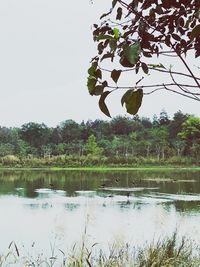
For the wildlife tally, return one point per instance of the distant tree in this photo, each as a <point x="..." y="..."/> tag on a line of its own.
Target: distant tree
<point x="159" y="141"/>
<point x="21" y="148"/>
<point x="70" y="130"/>
<point x="176" y="123"/>
<point x="55" y="135"/>
<point x="5" y="135"/>
<point x="179" y="146"/>
<point x="144" y="142"/>
<point x="35" y="134"/>
<point x="146" y="123"/>
<point x="195" y="149"/>
<point x="155" y="120"/>
<point x="164" y="118"/>
<point x="121" y="125"/>
<point x="106" y="144"/>
<point x="60" y="149"/>
<point x="135" y="36"/>
<point x="101" y="129"/>
<point x="133" y="143"/>
<point x="116" y="145"/>
<point x="92" y="148"/>
<point x="6" y="149"/>
<point x="46" y="151"/>
<point x="191" y="134"/>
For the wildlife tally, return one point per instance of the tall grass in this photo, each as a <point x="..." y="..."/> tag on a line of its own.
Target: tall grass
<point x="66" y="161"/>
<point x="166" y="253"/>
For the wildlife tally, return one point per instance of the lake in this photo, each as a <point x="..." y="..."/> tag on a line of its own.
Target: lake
<point x="44" y="209"/>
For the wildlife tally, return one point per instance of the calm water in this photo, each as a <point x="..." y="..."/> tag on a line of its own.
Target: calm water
<point x="39" y="208"/>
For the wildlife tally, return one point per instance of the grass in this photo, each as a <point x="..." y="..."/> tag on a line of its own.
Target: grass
<point x="166" y="253"/>
<point x="106" y="168"/>
<point x="142" y="168"/>
<point x="73" y="162"/>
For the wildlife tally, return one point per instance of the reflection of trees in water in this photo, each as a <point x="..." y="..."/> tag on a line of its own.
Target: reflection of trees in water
<point x="187" y="207"/>
<point x="130" y="205"/>
<point x="70" y="181"/>
<point x="71" y="206"/>
<point x="32" y="206"/>
<point x="36" y="206"/>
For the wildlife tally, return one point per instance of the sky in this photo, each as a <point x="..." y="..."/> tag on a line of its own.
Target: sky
<point x="45" y="50"/>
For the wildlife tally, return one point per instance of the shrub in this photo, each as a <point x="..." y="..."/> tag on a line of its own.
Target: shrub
<point x="10" y="160"/>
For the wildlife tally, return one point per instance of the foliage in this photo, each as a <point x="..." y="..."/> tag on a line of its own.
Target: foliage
<point x="136" y="36"/>
<point x="122" y="140"/>
<point x="10" y="160"/>
<point x="191" y="135"/>
<point x="92" y="147"/>
<point x="35" y="134"/>
<point x="6" y="149"/>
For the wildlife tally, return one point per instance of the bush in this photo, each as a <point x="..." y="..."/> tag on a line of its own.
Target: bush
<point x="10" y="160"/>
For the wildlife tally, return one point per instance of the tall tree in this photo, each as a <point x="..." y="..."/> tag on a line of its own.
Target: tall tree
<point x="92" y="148"/>
<point x="70" y="130"/>
<point x="121" y="125"/>
<point x="164" y="118"/>
<point x="35" y="134"/>
<point x="159" y="140"/>
<point x="191" y="134"/>
<point x="176" y="123"/>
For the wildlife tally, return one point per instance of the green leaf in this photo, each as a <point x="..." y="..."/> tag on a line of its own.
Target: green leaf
<point x="195" y="32"/>
<point x="132" y="52"/>
<point x="104" y="37"/>
<point x="133" y="100"/>
<point x="92" y="69"/>
<point x="102" y="104"/>
<point x="91" y="83"/>
<point x="115" y="74"/>
<point x="159" y="66"/>
<point x="116" y="33"/>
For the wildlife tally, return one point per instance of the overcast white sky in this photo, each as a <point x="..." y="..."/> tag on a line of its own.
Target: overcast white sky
<point x="45" y="49"/>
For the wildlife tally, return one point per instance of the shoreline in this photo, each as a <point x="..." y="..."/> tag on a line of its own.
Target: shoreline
<point x="104" y="168"/>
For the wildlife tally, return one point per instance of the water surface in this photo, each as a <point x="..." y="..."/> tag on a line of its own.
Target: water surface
<point x="39" y="208"/>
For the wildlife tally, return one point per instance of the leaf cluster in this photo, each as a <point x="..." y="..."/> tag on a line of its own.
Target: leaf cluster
<point x="135" y="31"/>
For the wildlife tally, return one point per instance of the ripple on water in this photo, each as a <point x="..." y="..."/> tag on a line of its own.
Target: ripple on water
<point x="175" y="197"/>
<point x="48" y="191"/>
<point x="85" y="194"/>
<point x="129" y="189"/>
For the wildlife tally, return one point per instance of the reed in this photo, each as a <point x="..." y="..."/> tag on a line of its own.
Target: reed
<point x="169" y="252"/>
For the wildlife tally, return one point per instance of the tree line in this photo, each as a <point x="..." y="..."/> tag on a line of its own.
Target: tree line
<point x="122" y="138"/>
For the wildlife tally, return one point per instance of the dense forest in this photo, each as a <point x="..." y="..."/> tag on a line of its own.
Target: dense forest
<point x="122" y="140"/>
